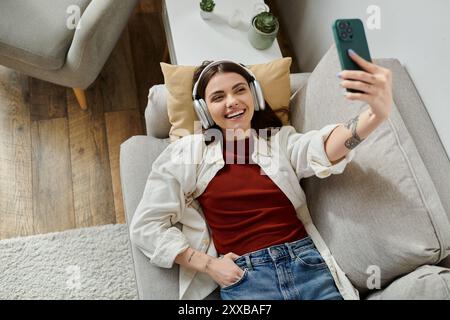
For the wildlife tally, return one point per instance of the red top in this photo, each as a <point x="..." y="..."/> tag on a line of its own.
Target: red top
<point x="245" y="210"/>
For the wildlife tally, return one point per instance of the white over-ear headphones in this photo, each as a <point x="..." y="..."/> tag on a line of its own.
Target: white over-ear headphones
<point x="200" y="105"/>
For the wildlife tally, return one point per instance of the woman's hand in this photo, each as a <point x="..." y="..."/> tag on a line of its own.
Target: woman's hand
<point x="374" y="81"/>
<point x="223" y="270"/>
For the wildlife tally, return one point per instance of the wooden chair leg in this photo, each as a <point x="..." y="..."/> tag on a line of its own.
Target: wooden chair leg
<point x="81" y="97"/>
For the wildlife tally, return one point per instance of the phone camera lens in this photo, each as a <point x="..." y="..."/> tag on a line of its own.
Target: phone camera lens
<point x="344" y="35"/>
<point x="349" y="30"/>
<point x="343" y="25"/>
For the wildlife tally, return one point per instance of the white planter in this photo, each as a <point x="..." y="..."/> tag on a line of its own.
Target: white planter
<point x="261" y="40"/>
<point x="206" y="15"/>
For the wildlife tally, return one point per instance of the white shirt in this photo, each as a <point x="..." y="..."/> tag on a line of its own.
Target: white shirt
<point x="183" y="170"/>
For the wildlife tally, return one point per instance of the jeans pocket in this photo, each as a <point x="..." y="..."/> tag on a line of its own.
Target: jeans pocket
<point x="239" y="281"/>
<point x="311" y="258"/>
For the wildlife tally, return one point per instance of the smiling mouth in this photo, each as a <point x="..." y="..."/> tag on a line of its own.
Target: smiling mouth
<point x="235" y="115"/>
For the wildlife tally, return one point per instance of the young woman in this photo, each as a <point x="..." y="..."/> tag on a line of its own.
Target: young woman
<point x="240" y="187"/>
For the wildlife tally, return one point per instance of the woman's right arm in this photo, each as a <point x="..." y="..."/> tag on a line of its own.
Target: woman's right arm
<point x="152" y="228"/>
<point x="222" y="270"/>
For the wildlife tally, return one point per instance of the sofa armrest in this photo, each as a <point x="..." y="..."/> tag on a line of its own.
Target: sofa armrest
<point x="137" y="155"/>
<point x="101" y="24"/>
<point x="156" y="116"/>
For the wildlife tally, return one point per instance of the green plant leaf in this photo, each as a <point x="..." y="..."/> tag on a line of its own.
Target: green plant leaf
<point x="207" y="5"/>
<point x="266" y="22"/>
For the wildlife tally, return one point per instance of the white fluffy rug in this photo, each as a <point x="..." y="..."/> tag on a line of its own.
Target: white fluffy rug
<point x="88" y="263"/>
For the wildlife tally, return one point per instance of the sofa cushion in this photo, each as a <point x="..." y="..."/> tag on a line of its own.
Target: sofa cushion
<point x="419" y="124"/>
<point x="36" y="32"/>
<point x="273" y="77"/>
<point x="424" y="283"/>
<point x="384" y="210"/>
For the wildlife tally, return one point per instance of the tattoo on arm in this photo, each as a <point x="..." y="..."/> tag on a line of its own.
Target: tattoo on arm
<point x="190" y="257"/>
<point x="354" y="140"/>
<point x="207" y="265"/>
<point x="352" y="122"/>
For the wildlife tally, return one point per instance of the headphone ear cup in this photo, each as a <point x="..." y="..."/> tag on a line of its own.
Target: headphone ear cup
<point x="258" y="94"/>
<point x="199" y="111"/>
<point x="203" y="114"/>
<point x="208" y="116"/>
<point x="254" y="96"/>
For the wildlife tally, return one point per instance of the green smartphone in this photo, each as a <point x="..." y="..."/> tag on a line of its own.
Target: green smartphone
<point x="349" y="34"/>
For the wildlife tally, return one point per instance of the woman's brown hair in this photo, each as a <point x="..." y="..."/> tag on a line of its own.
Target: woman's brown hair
<point x="262" y="119"/>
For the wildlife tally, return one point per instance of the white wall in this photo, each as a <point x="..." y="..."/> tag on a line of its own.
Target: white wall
<point x="416" y="32"/>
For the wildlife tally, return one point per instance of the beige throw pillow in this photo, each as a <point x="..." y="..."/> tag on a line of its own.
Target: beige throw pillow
<point x="273" y="77"/>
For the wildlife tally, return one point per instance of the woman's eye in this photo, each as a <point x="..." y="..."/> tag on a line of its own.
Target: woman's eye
<point x="218" y="98"/>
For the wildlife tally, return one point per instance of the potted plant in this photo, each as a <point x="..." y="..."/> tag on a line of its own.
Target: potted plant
<point x="263" y="30"/>
<point x="206" y="8"/>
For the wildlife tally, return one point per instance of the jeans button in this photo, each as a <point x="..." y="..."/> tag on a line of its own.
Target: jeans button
<point x="274" y="252"/>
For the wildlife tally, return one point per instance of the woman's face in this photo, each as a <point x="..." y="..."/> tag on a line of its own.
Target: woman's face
<point x="230" y="101"/>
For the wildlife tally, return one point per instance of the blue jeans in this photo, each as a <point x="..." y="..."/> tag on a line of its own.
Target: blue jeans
<point x="290" y="271"/>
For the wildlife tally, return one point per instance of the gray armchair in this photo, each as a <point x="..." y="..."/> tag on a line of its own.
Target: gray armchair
<point x="36" y="39"/>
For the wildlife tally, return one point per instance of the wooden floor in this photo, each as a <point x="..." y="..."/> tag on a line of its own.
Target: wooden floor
<point x="59" y="165"/>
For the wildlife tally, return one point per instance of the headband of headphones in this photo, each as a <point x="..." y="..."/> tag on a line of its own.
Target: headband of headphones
<point x="212" y="64"/>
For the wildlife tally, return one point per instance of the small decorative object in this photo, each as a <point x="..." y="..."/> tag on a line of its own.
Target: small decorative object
<point x="206" y="9"/>
<point x="235" y="18"/>
<point x="263" y="30"/>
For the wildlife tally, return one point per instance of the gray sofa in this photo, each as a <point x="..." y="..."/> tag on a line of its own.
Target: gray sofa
<point x="385" y="219"/>
<point x="38" y="39"/>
